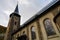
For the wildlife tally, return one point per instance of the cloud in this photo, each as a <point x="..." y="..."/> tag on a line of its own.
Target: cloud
<point x="3" y="19"/>
<point x="27" y="8"/>
<point x="24" y="2"/>
<point x="7" y="12"/>
<point x="6" y="7"/>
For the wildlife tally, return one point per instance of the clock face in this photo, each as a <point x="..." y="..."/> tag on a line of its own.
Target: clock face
<point x="16" y="18"/>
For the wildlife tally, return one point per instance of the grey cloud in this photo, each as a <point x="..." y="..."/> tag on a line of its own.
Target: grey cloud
<point x="5" y="6"/>
<point x="34" y="6"/>
<point x="3" y="19"/>
<point x="26" y="10"/>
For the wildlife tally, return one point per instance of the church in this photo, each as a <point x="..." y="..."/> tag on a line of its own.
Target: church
<point x="45" y="25"/>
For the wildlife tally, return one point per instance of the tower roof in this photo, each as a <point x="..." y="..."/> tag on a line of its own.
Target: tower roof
<point x="16" y="9"/>
<point x="16" y="12"/>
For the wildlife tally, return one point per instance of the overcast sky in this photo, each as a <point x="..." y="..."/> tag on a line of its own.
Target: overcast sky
<point x="27" y="8"/>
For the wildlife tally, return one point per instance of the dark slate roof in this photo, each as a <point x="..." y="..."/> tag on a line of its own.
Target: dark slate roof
<point x="16" y="12"/>
<point x="16" y="9"/>
<point x="40" y="13"/>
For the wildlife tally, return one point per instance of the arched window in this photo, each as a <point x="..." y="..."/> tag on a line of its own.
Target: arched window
<point x="57" y="21"/>
<point x="33" y="34"/>
<point x="23" y="32"/>
<point x="49" y="27"/>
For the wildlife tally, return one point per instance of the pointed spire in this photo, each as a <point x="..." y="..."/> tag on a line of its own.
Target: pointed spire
<point x="16" y="9"/>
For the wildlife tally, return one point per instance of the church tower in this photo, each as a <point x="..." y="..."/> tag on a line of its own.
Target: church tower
<point x="13" y="25"/>
<point x="15" y="19"/>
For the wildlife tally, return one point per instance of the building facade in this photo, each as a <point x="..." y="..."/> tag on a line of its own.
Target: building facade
<point x="45" y="25"/>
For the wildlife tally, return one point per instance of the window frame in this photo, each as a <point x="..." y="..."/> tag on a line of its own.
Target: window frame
<point x="31" y="33"/>
<point x="55" y="19"/>
<point x="51" y="36"/>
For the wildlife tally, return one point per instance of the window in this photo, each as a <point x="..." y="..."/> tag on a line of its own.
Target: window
<point x="33" y="34"/>
<point x="23" y="32"/>
<point x="15" y="23"/>
<point x="57" y="21"/>
<point x="49" y="27"/>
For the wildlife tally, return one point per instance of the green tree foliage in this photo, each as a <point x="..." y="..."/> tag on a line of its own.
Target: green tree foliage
<point x="2" y="31"/>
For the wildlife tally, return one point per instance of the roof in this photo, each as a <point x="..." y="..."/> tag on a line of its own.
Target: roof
<point x="40" y="13"/>
<point x="16" y="9"/>
<point x="16" y="12"/>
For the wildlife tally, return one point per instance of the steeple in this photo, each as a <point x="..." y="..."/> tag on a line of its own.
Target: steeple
<point x="16" y="9"/>
<point x="13" y="25"/>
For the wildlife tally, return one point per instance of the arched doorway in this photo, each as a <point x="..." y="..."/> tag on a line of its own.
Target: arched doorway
<point x="23" y="37"/>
